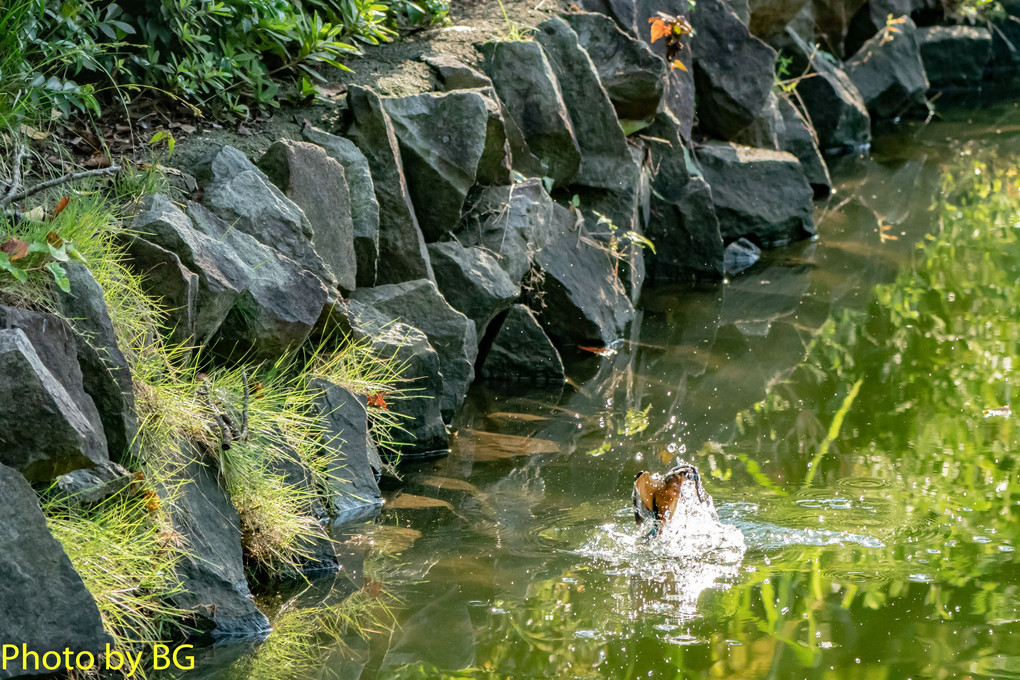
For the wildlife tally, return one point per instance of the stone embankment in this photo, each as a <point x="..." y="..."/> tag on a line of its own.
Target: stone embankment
<point x="479" y="231"/>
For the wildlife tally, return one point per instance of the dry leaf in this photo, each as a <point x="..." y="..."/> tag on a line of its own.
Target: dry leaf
<point x="14" y="248"/>
<point x="377" y="400"/>
<point x="56" y="211"/>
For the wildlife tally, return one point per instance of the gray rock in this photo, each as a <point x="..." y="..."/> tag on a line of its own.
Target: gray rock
<point x="832" y="21"/>
<point x="871" y="18"/>
<point x="769" y="17"/>
<point x="221" y="276"/>
<point x="451" y="333"/>
<point x="758" y="193"/>
<point x="402" y="253"/>
<point x="45" y="604"/>
<point x="278" y="308"/>
<point x="733" y="70"/>
<point x="364" y="206"/>
<point x="834" y="105"/>
<point x="740" y="255"/>
<point x="50" y="425"/>
<point x="583" y="301"/>
<point x="512" y="223"/>
<point x="494" y="165"/>
<point x="633" y="76"/>
<point x="955" y="55"/>
<point x="528" y="89"/>
<point x="889" y="74"/>
<point x="472" y="282"/>
<point x="599" y="136"/>
<point x="317" y="184"/>
<point x="84" y="488"/>
<point x="455" y="75"/>
<point x="241" y="194"/>
<point x="106" y="375"/>
<point x="354" y="491"/>
<point x="442" y="138"/>
<point x="214" y="587"/>
<point x="165" y="278"/>
<point x="421" y="430"/>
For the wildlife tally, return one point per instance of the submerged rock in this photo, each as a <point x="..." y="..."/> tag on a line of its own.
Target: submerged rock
<point x="317" y="184"/>
<point x="889" y="73"/>
<point x="521" y="351"/>
<point x="740" y="255"/>
<point x="472" y="282"/>
<point x="50" y="426"/>
<point x="758" y="193"/>
<point x="364" y="206"/>
<point x="420" y="304"/>
<point x="402" y="254"/>
<point x="45" y="604"/>
<point x="955" y="55"/>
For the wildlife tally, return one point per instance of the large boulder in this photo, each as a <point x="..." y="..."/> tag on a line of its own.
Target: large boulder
<point x="955" y="55"/>
<point x="599" y="136"/>
<point x="526" y="85"/>
<point x="521" y="351"/>
<point x="758" y="193"/>
<point x="241" y="194"/>
<point x="871" y="18"/>
<point x="402" y="253"/>
<point x="221" y="276"/>
<point x="833" y="103"/>
<point x="353" y="489"/>
<point x="582" y="300"/>
<point x="633" y="76"/>
<point x="451" y="333"/>
<point x="49" y="425"/>
<point x="87" y="488"/>
<point x="441" y="138"/>
<point x="494" y="165"/>
<point x="45" y="604"/>
<point x="889" y="74"/>
<point x="832" y="22"/>
<point x="317" y="184"/>
<point x="421" y="430"/>
<point x="364" y="206"/>
<point x="512" y="223"/>
<point x="733" y="70"/>
<point x="472" y="282"/>
<point x="165" y="278"/>
<point x="278" y="308"/>
<point x="455" y="75"/>
<point x="106" y="375"/>
<point x="213" y="584"/>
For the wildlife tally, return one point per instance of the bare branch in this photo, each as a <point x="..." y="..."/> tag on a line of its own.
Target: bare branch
<point x="69" y="177"/>
<point x="19" y="155"/>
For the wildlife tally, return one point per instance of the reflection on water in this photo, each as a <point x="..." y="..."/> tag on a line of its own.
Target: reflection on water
<point x="834" y="401"/>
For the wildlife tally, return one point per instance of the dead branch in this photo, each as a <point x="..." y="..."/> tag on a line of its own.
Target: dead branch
<point x="69" y="177"/>
<point x="19" y="155"/>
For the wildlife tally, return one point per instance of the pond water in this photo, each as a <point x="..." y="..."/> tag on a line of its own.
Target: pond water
<point x="847" y="404"/>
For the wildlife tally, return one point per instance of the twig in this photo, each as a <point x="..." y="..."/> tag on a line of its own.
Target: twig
<point x="69" y="177"/>
<point x="19" y="154"/>
<point x="244" y="405"/>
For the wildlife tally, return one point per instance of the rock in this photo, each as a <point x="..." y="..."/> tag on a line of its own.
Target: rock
<point x="45" y="604"/>
<point x="441" y="138"/>
<point x="280" y="305"/>
<point x="632" y="75"/>
<point x="742" y="9"/>
<point x="211" y="570"/>
<point x="888" y="72"/>
<point x="955" y="55"/>
<point x="1005" y="44"/>
<point x="472" y="282"/>
<point x="402" y="254"/>
<point x="454" y="75"/>
<point x="354" y="491"/>
<point x="50" y="426"/>
<point x="451" y="334"/>
<point x="106" y="375"/>
<point x="679" y="98"/>
<point x="421" y="429"/>
<point x="526" y="85"/>
<point x="740" y="255"/>
<point x="582" y="300"/>
<point x="85" y="488"/>
<point x="165" y="278"/>
<point x="512" y="223"/>
<point x="871" y="18"/>
<point x="241" y="194"/>
<point x="832" y="20"/>
<point x="364" y="206"/>
<point x="221" y="276"/>
<point x="317" y="184"/>
<point x="758" y="193"/>
<point x="521" y="351"/>
<point x="599" y="136"/>
<point x="682" y="222"/>
<point x="733" y="70"/>
<point x="769" y="17"/>
<point x="494" y="165"/>
<point x="834" y="105"/>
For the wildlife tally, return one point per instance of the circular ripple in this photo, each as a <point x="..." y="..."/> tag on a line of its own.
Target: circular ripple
<point x="862" y="483"/>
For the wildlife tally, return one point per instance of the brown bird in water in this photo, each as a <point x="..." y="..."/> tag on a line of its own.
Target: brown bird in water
<point x="656" y="496"/>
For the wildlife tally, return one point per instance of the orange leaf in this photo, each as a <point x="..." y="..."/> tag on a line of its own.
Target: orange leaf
<point x="679" y="64"/>
<point x="15" y="248"/>
<point x="60" y="208"/>
<point x="658" y="29"/>
<point x="53" y="238"/>
<point x="376" y="399"/>
<point x="601" y="351"/>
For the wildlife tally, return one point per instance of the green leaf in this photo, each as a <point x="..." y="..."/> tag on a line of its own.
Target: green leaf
<point x="59" y="276"/>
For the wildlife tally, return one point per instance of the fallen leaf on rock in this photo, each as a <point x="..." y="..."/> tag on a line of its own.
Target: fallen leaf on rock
<point x="14" y="248"/>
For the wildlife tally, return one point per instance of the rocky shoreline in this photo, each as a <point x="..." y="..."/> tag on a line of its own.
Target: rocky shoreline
<point x="495" y="226"/>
